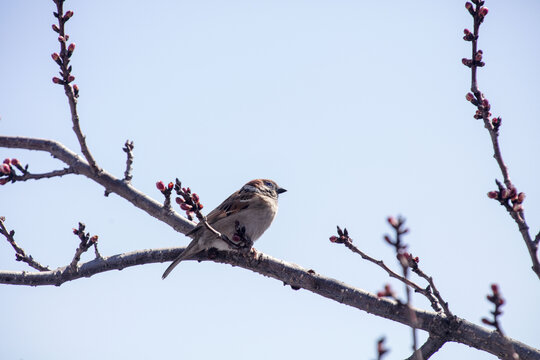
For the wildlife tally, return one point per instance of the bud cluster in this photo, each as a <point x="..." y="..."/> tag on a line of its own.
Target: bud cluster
<point x="66" y="51"/>
<point x="496" y="299"/>
<point x="188" y="201"/>
<point x="480" y="12"/>
<point x="508" y="194"/>
<point x="7" y="170"/>
<point x="86" y="239"/>
<point x="343" y="236"/>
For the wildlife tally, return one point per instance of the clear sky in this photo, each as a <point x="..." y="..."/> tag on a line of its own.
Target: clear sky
<point x="356" y="107"/>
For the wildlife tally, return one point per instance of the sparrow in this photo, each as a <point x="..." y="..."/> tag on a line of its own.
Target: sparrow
<point x="254" y="207"/>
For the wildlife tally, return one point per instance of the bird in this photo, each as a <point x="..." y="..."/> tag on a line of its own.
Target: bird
<point x="254" y="207"/>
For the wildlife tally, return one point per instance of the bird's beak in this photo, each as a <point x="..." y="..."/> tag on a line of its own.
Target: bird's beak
<point x="281" y="190"/>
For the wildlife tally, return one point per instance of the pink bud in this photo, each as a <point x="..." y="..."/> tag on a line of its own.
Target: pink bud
<point x="469" y="97"/>
<point x="495" y="288"/>
<point x="466" y="31"/>
<point x="468" y="5"/>
<point x="179" y="200"/>
<point x="185" y="207"/>
<point x="6" y="161"/>
<point x="3" y="181"/>
<point x="5" y="169"/>
<point x="71" y="47"/>
<point x="392" y="221"/>
<point x="333" y="238"/>
<point x="483" y="11"/>
<point x="160" y="186"/>
<point x="492" y="194"/>
<point x="55" y="56"/>
<point x="195" y="197"/>
<point x="94" y="239"/>
<point x="71" y="78"/>
<point x="170" y="185"/>
<point x="68" y="14"/>
<point x="55" y="28"/>
<point x="521" y="196"/>
<point x="15" y="162"/>
<point x="61" y="39"/>
<point x="56" y="80"/>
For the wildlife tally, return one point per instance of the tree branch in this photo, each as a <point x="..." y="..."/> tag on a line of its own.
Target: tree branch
<point x="457" y="330"/>
<point x="109" y="182"/>
<point x="47" y="175"/>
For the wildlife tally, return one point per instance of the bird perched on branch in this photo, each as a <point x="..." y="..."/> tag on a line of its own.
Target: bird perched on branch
<point x="254" y="207"/>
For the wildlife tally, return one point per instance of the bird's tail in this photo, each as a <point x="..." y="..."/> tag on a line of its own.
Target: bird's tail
<point x="193" y="248"/>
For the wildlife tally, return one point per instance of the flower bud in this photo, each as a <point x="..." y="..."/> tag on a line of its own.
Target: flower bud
<point x="56" y="80"/>
<point x="94" y="239"/>
<point x="200" y="206"/>
<point x="68" y="15"/>
<point x="7" y="161"/>
<point x="76" y="90"/>
<point x="15" y="162"/>
<point x="495" y="288"/>
<point x="179" y="200"/>
<point x="469" y="97"/>
<point x="71" y="78"/>
<point x="75" y="231"/>
<point x="392" y="221"/>
<point x="483" y="11"/>
<point x="493" y="194"/>
<point x="468" y="5"/>
<point x="3" y="181"/>
<point x="466" y="62"/>
<point x="61" y="39"/>
<point x="5" y="169"/>
<point x="160" y="186"/>
<point x="185" y="207"/>
<point x="55" y="28"/>
<point x="55" y="56"/>
<point x="333" y="238"/>
<point x="521" y="195"/>
<point x="170" y="186"/>
<point x="517" y="207"/>
<point x="71" y="47"/>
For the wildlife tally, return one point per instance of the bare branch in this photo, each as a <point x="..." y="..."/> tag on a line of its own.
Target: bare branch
<point x="72" y="92"/>
<point x="457" y="330"/>
<point x="478" y="99"/>
<point x="109" y="182"/>
<point x="20" y="254"/>
<point x="47" y="175"/>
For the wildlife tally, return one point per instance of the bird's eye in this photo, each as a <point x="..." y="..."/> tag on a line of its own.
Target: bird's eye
<point x="269" y="184"/>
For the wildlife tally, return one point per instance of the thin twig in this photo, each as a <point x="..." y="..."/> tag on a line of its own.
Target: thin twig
<point x="20" y="254"/>
<point x="391" y="273"/>
<point x="430" y="347"/>
<point x="128" y="149"/>
<point x="47" y="175"/>
<point x="483" y="106"/>
<point x="65" y="71"/>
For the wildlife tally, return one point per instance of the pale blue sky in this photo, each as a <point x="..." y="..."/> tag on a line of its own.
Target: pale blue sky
<point x="356" y="107"/>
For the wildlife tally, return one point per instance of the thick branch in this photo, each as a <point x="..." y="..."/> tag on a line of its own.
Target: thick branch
<point x="457" y="330"/>
<point x="109" y="182"/>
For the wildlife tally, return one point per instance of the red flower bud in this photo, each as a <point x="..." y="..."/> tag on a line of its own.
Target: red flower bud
<point x="493" y="194"/>
<point x="468" y="5"/>
<point x="56" y="80"/>
<point x="333" y="238"/>
<point x="15" y="162"/>
<point x="521" y="196"/>
<point x="5" y="169"/>
<point x="75" y="231"/>
<point x="478" y="56"/>
<point x="160" y="186"/>
<point x="466" y="62"/>
<point x="170" y="186"/>
<point x="185" y="207"/>
<point x="55" y="56"/>
<point x="487" y="322"/>
<point x="3" y="181"/>
<point x="61" y="39"/>
<point x="179" y="200"/>
<point x="68" y="14"/>
<point x="495" y="288"/>
<point x="7" y="161"/>
<point x="483" y="11"/>
<point x="392" y="221"/>
<point x="469" y="97"/>
<point x="71" y="78"/>
<point x="466" y="31"/>
<point x="485" y="103"/>
<point x="195" y="197"/>
<point x="55" y="28"/>
<point x="71" y="47"/>
<point x="200" y="206"/>
<point x="517" y="207"/>
<point x="94" y="239"/>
